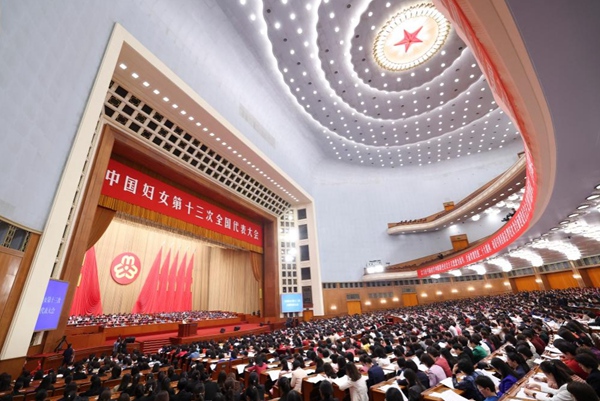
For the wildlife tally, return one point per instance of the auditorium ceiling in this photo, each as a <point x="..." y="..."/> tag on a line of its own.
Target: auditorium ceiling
<point x="388" y="85"/>
<point x="384" y="84"/>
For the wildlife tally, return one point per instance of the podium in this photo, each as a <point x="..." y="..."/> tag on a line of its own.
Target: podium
<point x="187" y="329"/>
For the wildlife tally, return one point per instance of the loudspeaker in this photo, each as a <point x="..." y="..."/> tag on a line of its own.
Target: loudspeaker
<point x="236" y="328"/>
<point x="222" y="330"/>
<point x="130" y="340"/>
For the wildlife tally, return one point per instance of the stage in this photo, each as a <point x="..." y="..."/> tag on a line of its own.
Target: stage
<point x="98" y="340"/>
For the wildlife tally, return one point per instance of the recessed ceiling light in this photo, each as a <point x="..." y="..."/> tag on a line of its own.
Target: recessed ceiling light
<point x="123" y="66"/>
<point x="156" y="91"/>
<point x="136" y="76"/>
<point x="592" y="197"/>
<point x="583" y="207"/>
<point x="573" y="215"/>
<point x="146" y="84"/>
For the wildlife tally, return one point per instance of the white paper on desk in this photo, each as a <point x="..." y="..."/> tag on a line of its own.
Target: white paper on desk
<point x="450" y="395"/>
<point x="240" y="368"/>
<point x="250" y="354"/>
<point x="521" y="394"/>
<point x="213" y="366"/>
<point x="552" y="349"/>
<point x="422" y="368"/>
<point x="309" y="371"/>
<point x="389" y="370"/>
<point x="435" y="394"/>
<point x="538" y="361"/>
<point x="447" y="382"/>
<point x="315" y="379"/>
<point x="341" y="380"/>
<point x="551" y="357"/>
<point x="395" y="385"/>
<point x="274" y="374"/>
<point x="490" y="375"/>
<point x="270" y="360"/>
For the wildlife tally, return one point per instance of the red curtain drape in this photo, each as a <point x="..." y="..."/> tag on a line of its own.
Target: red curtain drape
<point x="144" y="303"/>
<point x="87" y="300"/>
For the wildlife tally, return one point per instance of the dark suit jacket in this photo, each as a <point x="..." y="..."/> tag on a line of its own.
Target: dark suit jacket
<point x="593" y="380"/>
<point x="376" y="375"/>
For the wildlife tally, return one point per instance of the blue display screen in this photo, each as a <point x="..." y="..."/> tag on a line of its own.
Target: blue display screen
<point x="291" y="303"/>
<point x="54" y="299"/>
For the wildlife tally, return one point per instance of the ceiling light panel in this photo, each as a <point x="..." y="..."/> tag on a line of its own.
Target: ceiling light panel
<point x="328" y="66"/>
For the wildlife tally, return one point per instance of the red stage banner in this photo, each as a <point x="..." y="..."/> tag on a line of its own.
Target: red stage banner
<point x="129" y="185"/>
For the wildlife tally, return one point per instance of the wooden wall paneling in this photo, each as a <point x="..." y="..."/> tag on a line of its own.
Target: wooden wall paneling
<point x="526" y="283"/>
<point x="270" y="285"/>
<point x="82" y="227"/>
<point x="10" y="261"/>
<point x="585" y="277"/>
<point x="354" y="307"/>
<point x="409" y="299"/>
<point x="562" y="280"/>
<point x="460" y="289"/>
<point x="335" y="297"/>
<point x="594" y="275"/>
<point x="13" y="366"/>
<point x="9" y="297"/>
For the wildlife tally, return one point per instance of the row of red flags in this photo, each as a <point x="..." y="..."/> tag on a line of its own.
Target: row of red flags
<point x="168" y="286"/>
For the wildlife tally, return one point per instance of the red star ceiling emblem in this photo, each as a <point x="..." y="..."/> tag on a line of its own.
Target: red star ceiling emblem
<point x="409" y="39"/>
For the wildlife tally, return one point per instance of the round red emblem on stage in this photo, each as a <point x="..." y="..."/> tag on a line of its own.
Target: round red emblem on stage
<point x="125" y="268"/>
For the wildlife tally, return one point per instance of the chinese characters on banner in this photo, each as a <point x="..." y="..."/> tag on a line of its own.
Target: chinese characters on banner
<point x="129" y="185"/>
<point x="509" y="232"/>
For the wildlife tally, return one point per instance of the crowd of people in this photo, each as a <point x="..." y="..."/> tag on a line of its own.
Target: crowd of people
<point x="421" y="346"/>
<point x="134" y="319"/>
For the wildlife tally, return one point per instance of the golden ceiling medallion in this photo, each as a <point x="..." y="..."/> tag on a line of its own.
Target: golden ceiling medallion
<point x="410" y="38"/>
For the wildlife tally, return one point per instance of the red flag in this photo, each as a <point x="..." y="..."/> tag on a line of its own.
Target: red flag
<point x="188" y="284"/>
<point x="178" y="305"/>
<point x="87" y="300"/>
<point x="148" y="292"/>
<point x="160" y="299"/>
<point x="170" y="293"/>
